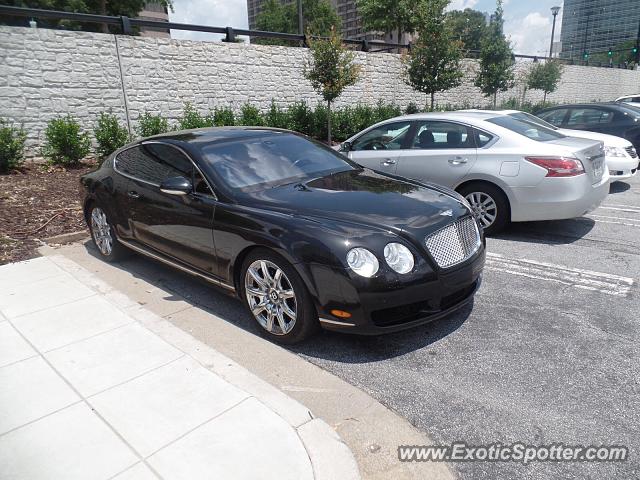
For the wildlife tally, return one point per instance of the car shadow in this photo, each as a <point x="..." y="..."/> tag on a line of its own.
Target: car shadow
<point x="618" y="187"/>
<point x="341" y="347"/>
<point x="550" y="232"/>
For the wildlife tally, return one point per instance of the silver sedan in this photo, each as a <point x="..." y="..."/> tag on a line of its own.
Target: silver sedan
<point x="508" y="169"/>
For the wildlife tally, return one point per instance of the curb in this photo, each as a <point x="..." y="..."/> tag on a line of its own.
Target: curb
<point x="65" y="238"/>
<point x="330" y="457"/>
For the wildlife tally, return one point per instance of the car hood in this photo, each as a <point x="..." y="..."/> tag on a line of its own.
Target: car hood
<point x="608" y="140"/>
<point x="364" y="197"/>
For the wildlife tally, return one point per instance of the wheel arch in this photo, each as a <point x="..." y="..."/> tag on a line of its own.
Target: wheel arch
<point x="505" y="191"/>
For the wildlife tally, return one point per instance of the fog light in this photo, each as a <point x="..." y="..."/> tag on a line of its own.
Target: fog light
<point x="340" y="313"/>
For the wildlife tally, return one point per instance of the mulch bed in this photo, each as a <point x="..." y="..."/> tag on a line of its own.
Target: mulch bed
<point x="38" y="202"/>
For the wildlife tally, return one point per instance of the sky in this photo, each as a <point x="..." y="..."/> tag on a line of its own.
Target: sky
<point x="527" y="22"/>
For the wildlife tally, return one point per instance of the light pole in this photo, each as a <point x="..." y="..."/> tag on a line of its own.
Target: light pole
<point x="300" y="23"/>
<point x="554" y="11"/>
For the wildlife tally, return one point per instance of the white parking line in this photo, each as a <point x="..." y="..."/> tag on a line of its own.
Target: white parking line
<point x="621" y="208"/>
<point x="586" y="279"/>
<point x="630" y="222"/>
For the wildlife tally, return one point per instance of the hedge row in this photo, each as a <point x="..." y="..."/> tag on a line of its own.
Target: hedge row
<point x="67" y="144"/>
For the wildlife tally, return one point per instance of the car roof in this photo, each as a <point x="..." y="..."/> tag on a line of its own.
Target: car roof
<point x="455" y="115"/>
<point x="211" y="135"/>
<point x="586" y="105"/>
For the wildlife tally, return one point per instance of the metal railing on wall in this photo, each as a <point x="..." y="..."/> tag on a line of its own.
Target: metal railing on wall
<point x="127" y="26"/>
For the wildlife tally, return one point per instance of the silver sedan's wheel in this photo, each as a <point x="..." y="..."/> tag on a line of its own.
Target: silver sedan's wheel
<point x="101" y="231"/>
<point x="271" y="297"/>
<point x="484" y="208"/>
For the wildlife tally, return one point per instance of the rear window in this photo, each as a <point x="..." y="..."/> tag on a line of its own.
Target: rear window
<point x="528" y="129"/>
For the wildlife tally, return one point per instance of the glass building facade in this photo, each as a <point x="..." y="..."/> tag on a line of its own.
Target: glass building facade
<point x="597" y="25"/>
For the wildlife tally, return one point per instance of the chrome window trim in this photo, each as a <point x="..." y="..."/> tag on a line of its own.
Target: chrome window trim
<point x="132" y="177"/>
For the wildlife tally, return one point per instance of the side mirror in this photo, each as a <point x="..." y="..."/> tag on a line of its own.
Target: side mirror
<point x="176" y="186"/>
<point x="345" y="147"/>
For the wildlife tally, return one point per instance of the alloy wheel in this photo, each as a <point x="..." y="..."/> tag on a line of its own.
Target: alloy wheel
<point x="484" y="207"/>
<point x="101" y="231"/>
<point x="271" y="297"/>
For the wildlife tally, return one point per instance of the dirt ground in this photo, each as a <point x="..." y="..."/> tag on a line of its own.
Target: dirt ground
<point x="38" y="202"/>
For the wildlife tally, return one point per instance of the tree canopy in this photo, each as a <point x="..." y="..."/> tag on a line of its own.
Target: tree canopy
<point x="469" y="26"/>
<point x="318" y="16"/>
<point x="545" y="76"/>
<point x="129" y="8"/>
<point x="389" y="16"/>
<point x="330" y="68"/>
<point x="496" y="58"/>
<point x="433" y="64"/>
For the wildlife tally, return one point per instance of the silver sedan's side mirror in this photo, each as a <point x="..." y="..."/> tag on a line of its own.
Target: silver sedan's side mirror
<point x="345" y="147"/>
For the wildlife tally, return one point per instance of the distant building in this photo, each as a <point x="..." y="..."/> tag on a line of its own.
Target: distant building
<point x="158" y="12"/>
<point x="597" y="25"/>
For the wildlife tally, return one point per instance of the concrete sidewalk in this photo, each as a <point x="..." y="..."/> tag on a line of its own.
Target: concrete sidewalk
<point x="92" y="385"/>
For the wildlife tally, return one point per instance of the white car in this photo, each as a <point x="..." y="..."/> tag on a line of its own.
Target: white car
<point x="630" y="99"/>
<point x="508" y="169"/>
<point x="621" y="157"/>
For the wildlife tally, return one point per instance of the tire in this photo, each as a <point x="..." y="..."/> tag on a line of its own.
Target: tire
<point x="284" y="294"/>
<point x="103" y="235"/>
<point x="488" y="201"/>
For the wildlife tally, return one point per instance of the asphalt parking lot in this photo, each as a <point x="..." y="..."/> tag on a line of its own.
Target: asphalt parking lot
<point x="548" y="353"/>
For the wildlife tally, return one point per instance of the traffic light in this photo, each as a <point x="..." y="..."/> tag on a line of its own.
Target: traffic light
<point x="634" y="50"/>
<point x="610" y="53"/>
<point x="585" y="55"/>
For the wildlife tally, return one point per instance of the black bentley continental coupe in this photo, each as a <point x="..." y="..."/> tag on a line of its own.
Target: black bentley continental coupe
<point x="304" y="236"/>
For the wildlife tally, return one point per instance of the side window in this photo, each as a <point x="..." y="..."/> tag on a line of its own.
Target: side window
<point x="386" y="137"/>
<point x="154" y="163"/>
<point x="554" y="117"/>
<point x="588" y="116"/>
<point x="442" y="135"/>
<point x="482" y="138"/>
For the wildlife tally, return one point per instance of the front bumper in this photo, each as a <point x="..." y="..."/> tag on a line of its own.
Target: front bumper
<point x="558" y="198"/>
<point x="621" y="168"/>
<point x="392" y="303"/>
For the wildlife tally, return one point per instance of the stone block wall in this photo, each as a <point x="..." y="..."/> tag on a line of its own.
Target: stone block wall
<point x="46" y="73"/>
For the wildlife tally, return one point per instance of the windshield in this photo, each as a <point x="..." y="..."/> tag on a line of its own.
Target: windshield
<point x="527" y="128"/>
<point x="271" y="160"/>
<point x="532" y="118"/>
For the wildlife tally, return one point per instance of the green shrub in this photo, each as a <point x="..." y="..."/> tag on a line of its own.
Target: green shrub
<point x="149" y="125"/>
<point x="342" y="124"/>
<point x="385" y="111"/>
<point x="110" y="135"/>
<point x="191" y="118"/>
<point x="65" y="144"/>
<point x="250" y="116"/>
<point x="300" y="118"/>
<point x="319" y="122"/>
<point x="276" y="117"/>
<point x="411" y="109"/>
<point x="223" y="117"/>
<point x="11" y="146"/>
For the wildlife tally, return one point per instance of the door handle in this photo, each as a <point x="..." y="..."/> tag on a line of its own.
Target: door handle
<point x="457" y="160"/>
<point x="133" y="194"/>
<point x="388" y="162"/>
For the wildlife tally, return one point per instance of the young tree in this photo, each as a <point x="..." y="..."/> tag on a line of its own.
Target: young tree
<point x="496" y="59"/>
<point x="545" y="77"/>
<point x="318" y="17"/>
<point x="330" y="68"/>
<point x="389" y="16"/>
<point x="433" y="64"/>
<point x="469" y="25"/>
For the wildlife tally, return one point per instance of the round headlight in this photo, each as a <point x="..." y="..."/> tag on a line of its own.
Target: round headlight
<point x="398" y="257"/>
<point x="362" y="261"/>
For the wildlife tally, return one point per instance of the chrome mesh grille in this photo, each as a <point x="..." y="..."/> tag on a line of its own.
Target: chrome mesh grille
<point x="454" y="243"/>
<point x="632" y="152"/>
